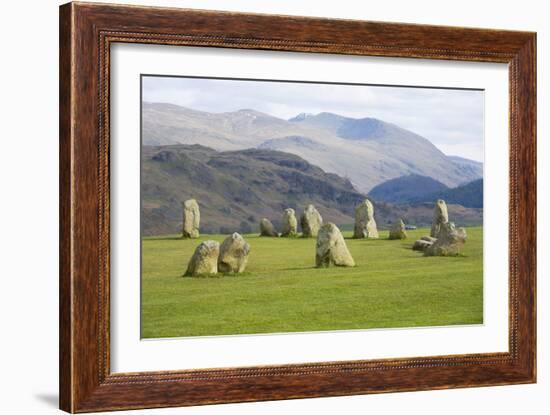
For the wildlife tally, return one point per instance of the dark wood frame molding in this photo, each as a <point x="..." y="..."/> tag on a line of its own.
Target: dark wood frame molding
<point x="86" y="33"/>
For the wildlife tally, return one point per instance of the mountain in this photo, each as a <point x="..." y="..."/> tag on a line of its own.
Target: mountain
<point x="367" y="151"/>
<point x="235" y="189"/>
<point x="406" y="188"/>
<point x="467" y="195"/>
<point x="468" y="167"/>
<point x="171" y="124"/>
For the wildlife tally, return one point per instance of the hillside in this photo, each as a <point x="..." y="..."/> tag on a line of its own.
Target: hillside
<point x="406" y="188"/>
<point x="468" y="195"/>
<point x="469" y="167"/>
<point x="368" y="151"/>
<point x="235" y="189"/>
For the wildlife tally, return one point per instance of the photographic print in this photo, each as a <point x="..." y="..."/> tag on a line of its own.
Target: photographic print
<point x="272" y="206"/>
<point x="260" y="207"/>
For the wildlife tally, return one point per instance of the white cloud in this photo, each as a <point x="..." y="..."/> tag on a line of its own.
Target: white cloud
<point x="451" y="119"/>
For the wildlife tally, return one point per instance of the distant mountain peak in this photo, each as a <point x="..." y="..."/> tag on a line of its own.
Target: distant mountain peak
<point x="247" y="111"/>
<point x="301" y="117"/>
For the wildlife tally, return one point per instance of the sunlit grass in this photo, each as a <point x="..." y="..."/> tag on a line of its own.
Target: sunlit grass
<point x="281" y="291"/>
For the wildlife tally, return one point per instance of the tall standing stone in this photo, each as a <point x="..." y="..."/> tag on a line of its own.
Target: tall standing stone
<point x="331" y="248"/>
<point x="191" y="219"/>
<point x="441" y="216"/>
<point x="397" y="230"/>
<point x="290" y="223"/>
<point x="365" y="225"/>
<point x="311" y="221"/>
<point x="449" y="242"/>
<point x="204" y="259"/>
<point x="233" y="256"/>
<point x="267" y="228"/>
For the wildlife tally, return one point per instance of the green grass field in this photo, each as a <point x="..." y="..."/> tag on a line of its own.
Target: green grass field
<point x="281" y="291"/>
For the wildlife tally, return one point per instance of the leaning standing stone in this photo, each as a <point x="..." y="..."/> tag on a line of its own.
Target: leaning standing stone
<point x="365" y="225"/>
<point x="331" y="248"/>
<point x="449" y="242"/>
<point x="290" y="223"/>
<point x="311" y="222"/>
<point x="267" y="228"/>
<point x="191" y="219"/>
<point x="204" y="259"/>
<point x="441" y="216"/>
<point x="429" y="239"/>
<point x="397" y="230"/>
<point x="421" y="245"/>
<point x="234" y="252"/>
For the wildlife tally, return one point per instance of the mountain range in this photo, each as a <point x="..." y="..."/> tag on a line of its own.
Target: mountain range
<point x="236" y="188"/>
<point x="367" y="151"/>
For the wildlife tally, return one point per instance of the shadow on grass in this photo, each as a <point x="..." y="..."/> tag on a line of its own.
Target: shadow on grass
<point x="217" y="276"/>
<point x="298" y="268"/>
<point x="164" y="238"/>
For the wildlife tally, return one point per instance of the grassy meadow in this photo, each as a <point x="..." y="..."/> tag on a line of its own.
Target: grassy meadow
<point x="281" y="291"/>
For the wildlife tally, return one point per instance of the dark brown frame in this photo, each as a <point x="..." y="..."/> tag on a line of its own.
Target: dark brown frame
<point x="86" y="33"/>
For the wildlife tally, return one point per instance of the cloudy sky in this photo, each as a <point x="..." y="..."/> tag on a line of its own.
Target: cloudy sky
<point x="451" y="119"/>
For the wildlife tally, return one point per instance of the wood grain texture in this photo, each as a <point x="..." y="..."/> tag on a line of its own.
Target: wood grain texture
<point x="86" y="33"/>
<point x="65" y="245"/>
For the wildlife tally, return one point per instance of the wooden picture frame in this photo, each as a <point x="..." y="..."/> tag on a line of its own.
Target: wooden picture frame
<point x="86" y="33"/>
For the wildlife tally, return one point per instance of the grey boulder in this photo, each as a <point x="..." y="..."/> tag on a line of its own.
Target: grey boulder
<point x="267" y="228"/>
<point x="191" y="219"/>
<point x="365" y="225"/>
<point x="290" y="223"/>
<point x="397" y="231"/>
<point x="440" y="217"/>
<point x="331" y="248"/>
<point x="449" y="243"/>
<point x="233" y="255"/>
<point x="421" y="245"/>
<point x="204" y="259"/>
<point x="311" y="221"/>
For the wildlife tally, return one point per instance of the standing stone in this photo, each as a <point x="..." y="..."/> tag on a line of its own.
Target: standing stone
<point x="267" y="228"/>
<point x="234" y="252"/>
<point x="397" y="230"/>
<point x="204" y="259"/>
<point x="191" y="219"/>
<point x="449" y="242"/>
<point x="290" y="223"/>
<point x="365" y="225"/>
<point x="331" y="248"/>
<point x="311" y="221"/>
<point x="441" y="216"/>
